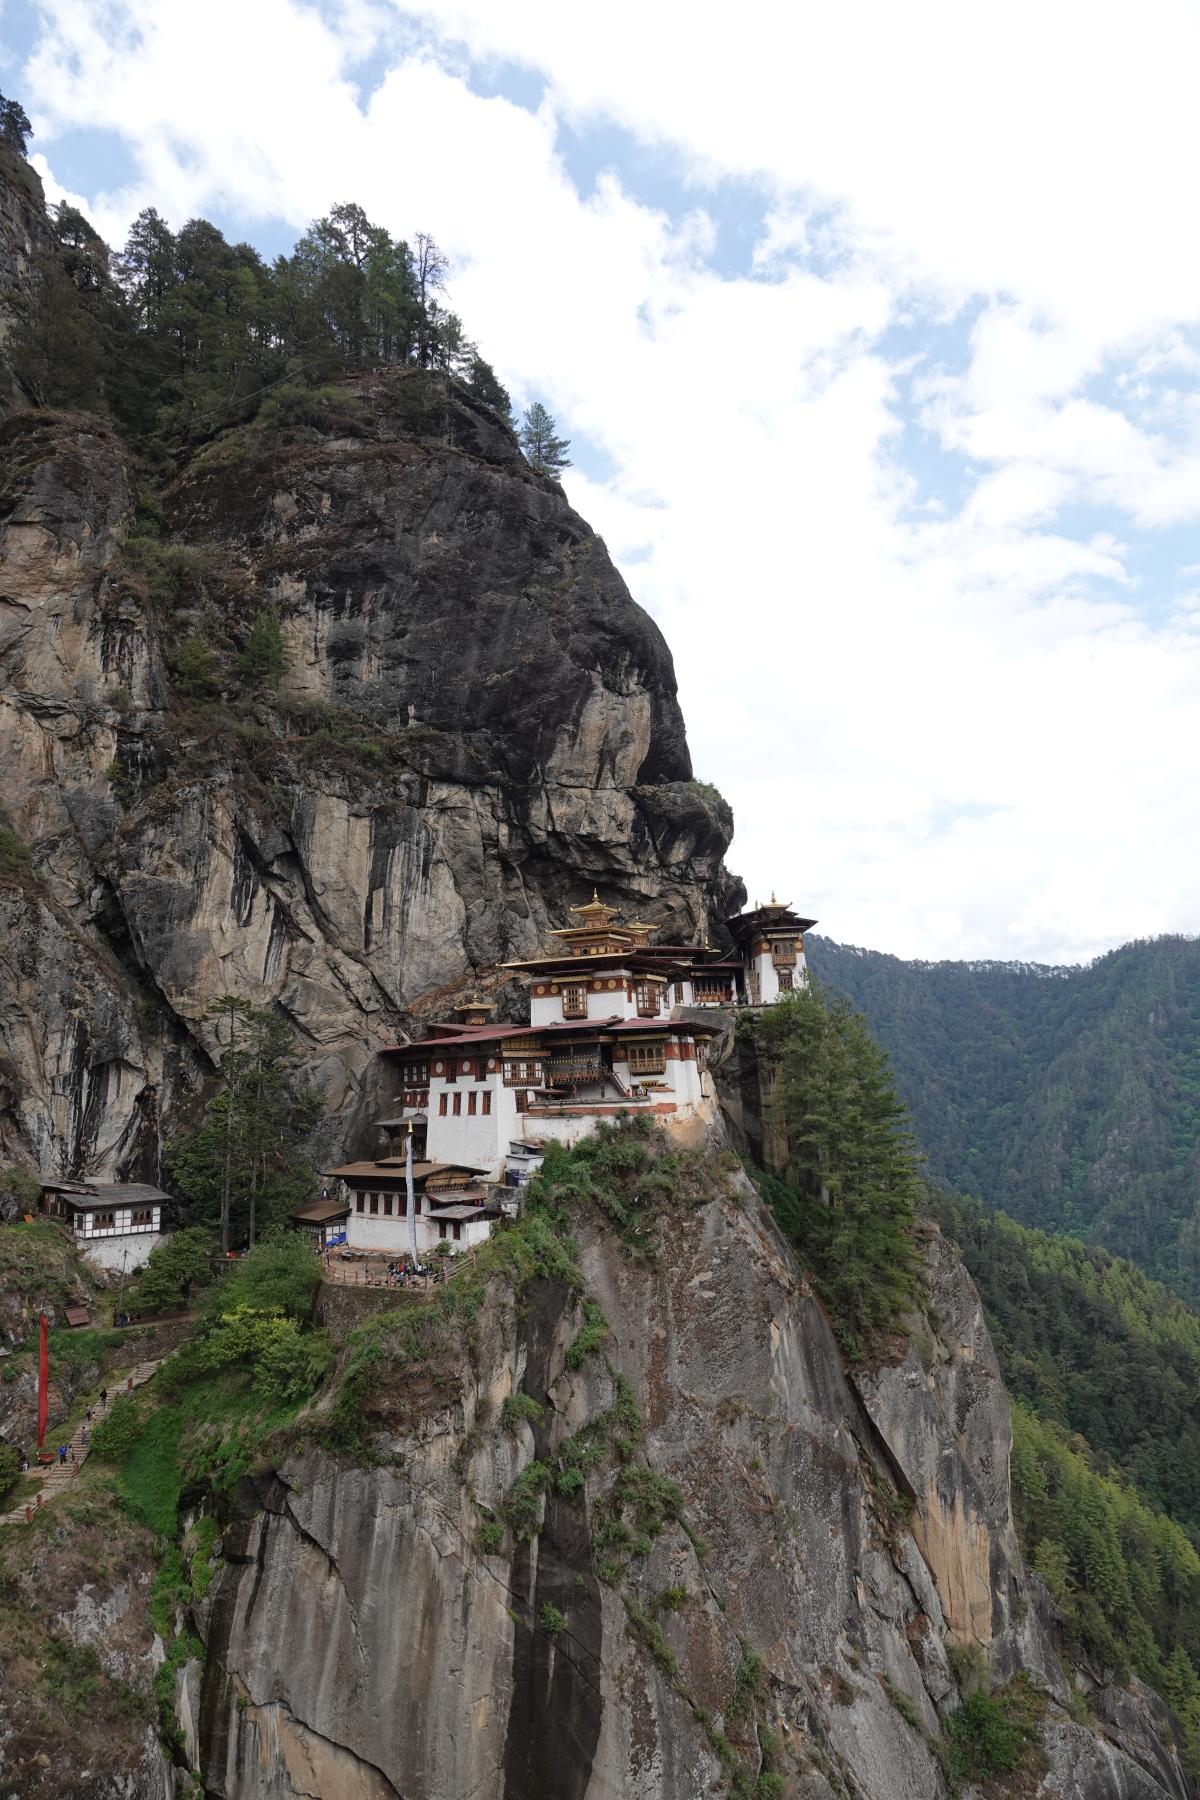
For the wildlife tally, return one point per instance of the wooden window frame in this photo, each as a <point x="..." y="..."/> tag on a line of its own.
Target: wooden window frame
<point x="574" y="997"/>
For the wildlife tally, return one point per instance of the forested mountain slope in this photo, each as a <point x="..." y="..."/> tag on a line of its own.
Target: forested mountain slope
<point x="1068" y="1097"/>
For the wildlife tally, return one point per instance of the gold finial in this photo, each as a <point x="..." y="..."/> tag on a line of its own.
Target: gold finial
<point x="595" y="896"/>
<point x="774" y="902"/>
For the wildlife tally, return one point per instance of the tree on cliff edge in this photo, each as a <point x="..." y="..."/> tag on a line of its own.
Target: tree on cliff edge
<point x="851" y="1189"/>
<point x="546" y="452"/>
<point x="15" y="129"/>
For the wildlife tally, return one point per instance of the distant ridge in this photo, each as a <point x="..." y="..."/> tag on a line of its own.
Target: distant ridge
<point x="1068" y="1096"/>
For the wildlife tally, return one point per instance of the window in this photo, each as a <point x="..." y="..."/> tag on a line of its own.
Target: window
<point x="785" y="979"/>
<point x="679" y="993"/>
<point x="574" y="1001"/>
<point x="487" y="1101"/>
<point x="442" y="1108"/>
<point x="456" y="1228"/>
<point x="442" y="1229"/>
<point x="458" y="1106"/>
<point x="387" y="1206"/>
<point x="646" y="995"/>
<point x="710" y="991"/>
<point x="701" y="1055"/>
<point x="522" y="1072"/>
<point x="471" y="1103"/>
<point x="141" y="1217"/>
<point x="647" y="1059"/>
<point x="358" y="1202"/>
<point x="104" y="1221"/>
<point x="374" y="1203"/>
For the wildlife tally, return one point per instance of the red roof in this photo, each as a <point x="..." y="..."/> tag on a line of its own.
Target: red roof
<point x="468" y="1035"/>
<point x="682" y="1027"/>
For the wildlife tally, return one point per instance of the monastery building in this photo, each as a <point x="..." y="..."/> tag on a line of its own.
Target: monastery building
<point x="616" y="1026"/>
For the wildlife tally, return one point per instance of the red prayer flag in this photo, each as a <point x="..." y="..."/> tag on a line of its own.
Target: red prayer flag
<point x="43" y="1385"/>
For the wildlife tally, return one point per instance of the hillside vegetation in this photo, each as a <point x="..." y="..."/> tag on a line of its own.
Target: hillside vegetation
<point x="1069" y="1098"/>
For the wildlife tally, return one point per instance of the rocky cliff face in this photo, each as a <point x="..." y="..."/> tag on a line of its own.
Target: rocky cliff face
<point x="476" y="724"/>
<point x="791" y="1602"/>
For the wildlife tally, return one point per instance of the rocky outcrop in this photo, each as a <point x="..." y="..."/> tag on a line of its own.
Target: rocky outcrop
<point x="791" y="1603"/>
<point x="476" y="725"/>
<point x="24" y="236"/>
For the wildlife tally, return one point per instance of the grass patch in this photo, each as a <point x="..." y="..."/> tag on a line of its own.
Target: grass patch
<point x="593" y="1334"/>
<point x="521" y="1409"/>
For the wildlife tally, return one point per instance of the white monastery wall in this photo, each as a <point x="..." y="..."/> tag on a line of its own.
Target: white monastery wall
<point x="108" y="1251"/>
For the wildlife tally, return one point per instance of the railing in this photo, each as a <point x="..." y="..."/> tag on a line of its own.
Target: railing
<point x="574" y="1069"/>
<point x="646" y="1063"/>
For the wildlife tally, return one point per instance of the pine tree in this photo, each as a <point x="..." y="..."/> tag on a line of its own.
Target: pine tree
<point x="15" y="129"/>
<point x="194" y="668"/>
<point x="263" y="657"/>
<point x="244" y="1164"/>
<point x="546" y="453"/>
<point x="851" y="1188"/>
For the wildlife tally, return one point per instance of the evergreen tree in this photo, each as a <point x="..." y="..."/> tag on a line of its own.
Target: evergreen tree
<point x="244" y="1165"/>
<point x="546" y="453"/>
<point x="484" y="383"/>
<point x="263" y="657"/>
<point x="15" y="129"/>
<point x="851" y="1188"/>
<point x="194" y="668"/>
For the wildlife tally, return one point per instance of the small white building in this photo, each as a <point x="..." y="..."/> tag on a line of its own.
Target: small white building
<point x="116" y="1224"/>
<point x="771" y="942"/>
<point x="452" y="1206"/>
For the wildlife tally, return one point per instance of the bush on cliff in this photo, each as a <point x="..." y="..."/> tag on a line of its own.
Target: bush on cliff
<point x="849" y="1195"/>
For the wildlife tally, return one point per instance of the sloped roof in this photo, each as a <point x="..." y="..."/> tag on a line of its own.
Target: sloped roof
<point x="85" y="1194"/>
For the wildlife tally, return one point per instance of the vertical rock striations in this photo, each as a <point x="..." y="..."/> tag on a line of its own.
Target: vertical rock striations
<point x="475" y="725"/>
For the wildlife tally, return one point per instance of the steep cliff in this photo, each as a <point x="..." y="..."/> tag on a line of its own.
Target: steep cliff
<point x="768" y="1579"/>
<point x="475" y="725"/>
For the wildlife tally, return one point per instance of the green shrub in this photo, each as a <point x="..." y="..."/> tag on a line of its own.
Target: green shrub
<point x="10" y="1468"/>
<point x="992" y="1735"/>
<point x="72" y="1672"/>
<point x="551" y="1620"/>
<point x="194" y="668"/>
<point x="520" y="1409"/>
<point x="115" y="1435"/>
<point x="321" y="407"/>
<point x="14" y="853"/>
<point x="593" y="1333"/>
<point x="523" y="1506"/>
<point x="19" y="1190"/>
<point x="491" y="1534"/>
<point x="174" y="1270"/>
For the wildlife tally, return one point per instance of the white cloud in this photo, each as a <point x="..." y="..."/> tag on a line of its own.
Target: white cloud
<point x="945" y="727"/>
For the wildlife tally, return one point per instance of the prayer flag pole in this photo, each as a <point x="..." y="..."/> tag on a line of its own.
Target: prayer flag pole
<point x="43" y="1384"/>
<point x="412" y="1200"/>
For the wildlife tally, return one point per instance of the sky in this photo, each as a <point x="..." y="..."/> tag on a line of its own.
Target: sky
<point x="876" y="334"/>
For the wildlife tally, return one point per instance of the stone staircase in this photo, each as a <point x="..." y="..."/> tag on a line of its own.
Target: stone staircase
<point x="56" y="1476"/>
